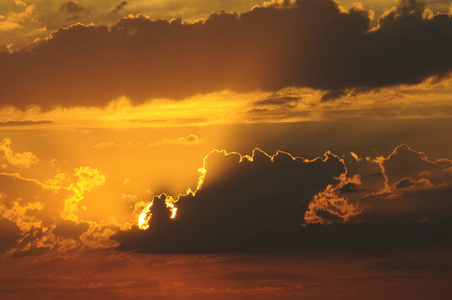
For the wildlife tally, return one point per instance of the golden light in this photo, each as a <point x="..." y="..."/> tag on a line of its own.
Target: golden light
<point x="145" y="216"/>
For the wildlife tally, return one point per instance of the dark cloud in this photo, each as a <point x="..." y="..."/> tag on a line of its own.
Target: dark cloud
<point x="309" y="43"/>
<point x="405" y="165"/>
<point x="408" y="206"/>
<point x="262" y="206"/>
<point x="246" y="206"/>
<point x="415" y="190"/>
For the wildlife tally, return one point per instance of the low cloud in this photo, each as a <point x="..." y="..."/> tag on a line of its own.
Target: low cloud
<point x="280" y="203"/>
<point x="245" y="203"/>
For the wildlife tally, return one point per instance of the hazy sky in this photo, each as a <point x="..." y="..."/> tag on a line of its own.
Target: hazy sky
<point x="133" y="130"/>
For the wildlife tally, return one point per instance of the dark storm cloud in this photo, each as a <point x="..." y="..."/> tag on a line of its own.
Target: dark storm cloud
<point x="263" y="205"/>
<point x="309" y="43"/>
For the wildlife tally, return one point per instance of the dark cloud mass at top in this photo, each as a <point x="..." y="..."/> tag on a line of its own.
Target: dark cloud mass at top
<point x="308" y="43"/>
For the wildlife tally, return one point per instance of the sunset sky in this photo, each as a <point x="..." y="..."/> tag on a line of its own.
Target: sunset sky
<point x="199" y="149"/>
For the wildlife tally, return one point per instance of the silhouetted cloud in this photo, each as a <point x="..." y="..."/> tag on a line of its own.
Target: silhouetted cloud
<point x="307" y="43"/>
<point x="272" y="204"/>
<point x="245" y="204"/>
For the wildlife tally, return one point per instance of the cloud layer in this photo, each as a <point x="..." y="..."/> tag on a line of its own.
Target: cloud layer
<point x="307" y="43"/>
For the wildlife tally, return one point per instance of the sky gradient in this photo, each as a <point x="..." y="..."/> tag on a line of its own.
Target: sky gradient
<point x="198" y="149"/>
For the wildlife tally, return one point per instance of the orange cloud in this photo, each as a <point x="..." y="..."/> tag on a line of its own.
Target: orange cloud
<point x="24" y="159"/>
<point x="88" y="179"/>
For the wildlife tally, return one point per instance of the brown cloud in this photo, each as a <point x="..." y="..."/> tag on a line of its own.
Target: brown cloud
<point x="309" y="43"/>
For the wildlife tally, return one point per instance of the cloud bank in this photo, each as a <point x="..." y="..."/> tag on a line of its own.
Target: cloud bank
<point x="306" y="43"/>
<point x="281" y="203"/>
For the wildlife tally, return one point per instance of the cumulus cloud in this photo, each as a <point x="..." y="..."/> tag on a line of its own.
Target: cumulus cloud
<point x="283" y="203"/>
<point x="306" y="43"/>
<point x="249" y="203"/>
